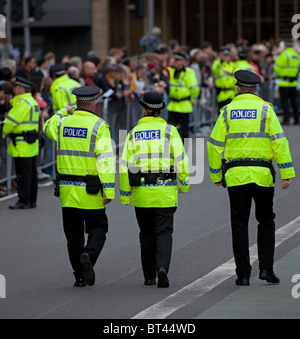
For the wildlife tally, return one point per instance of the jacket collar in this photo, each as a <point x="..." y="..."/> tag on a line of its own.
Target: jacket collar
<point x="148" y="119"/>
<point x="246" y="96"/>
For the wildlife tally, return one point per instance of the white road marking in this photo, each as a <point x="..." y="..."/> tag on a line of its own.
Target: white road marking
<point x="199" y="287"/>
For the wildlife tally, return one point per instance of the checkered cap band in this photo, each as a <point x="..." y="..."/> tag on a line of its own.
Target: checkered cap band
<point x="246" y="85"/>
<point x="91" y="98"/>
<point x="153" y="106"/>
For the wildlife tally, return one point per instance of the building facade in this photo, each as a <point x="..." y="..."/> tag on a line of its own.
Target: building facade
<point x="75" y="27"/>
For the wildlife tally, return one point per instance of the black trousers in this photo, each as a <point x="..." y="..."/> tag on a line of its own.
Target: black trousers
<point x="156" y="228"/>
<point x="181" y="120"/>
<point x="76" y="223"/>
<point x="240" y="207"/>
<point x="286" y="94"/>
<point x="27" y="180"/>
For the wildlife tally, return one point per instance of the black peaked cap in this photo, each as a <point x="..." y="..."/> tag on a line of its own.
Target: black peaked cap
<point x="86" y="93"/>
<point x="246" y="78"/>
<point x="152" y="100"/>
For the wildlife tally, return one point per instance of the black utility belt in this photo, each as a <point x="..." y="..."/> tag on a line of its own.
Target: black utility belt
<point x="93" y="183"/>
<point x="246" y="163"/>
<point x="179" y="100"/>
<point x="290" y="79"/>
<point x="135" y="177"/>
<point x="30" y="136"/>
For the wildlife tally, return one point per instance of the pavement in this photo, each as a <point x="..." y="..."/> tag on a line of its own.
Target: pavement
<point x="39" y="279"/>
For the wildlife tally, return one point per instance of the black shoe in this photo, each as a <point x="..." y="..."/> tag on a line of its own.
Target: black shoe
<point x="163" y="280"/>
<point x="88" y="271"/>
<point x="296" y="122"/>
<point x="269" y="276"/>
<point x="150" y="282"/>
<point x="33" y="205"/>
<point x="286" y="123"/>
<point x="79" y="280"/>
<point x="20" y="206"/>
<point x="242" y="282"/>
<point x="79" y="283"/>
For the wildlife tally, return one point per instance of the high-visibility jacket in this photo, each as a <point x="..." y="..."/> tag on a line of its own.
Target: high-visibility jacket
<point x="61" y="91"/>
<point x="153" y="145"/>
<point x="224" y="80"/>
<point x="83" y="148"/>
<point x="23" y="117"/>
<point x="243" y="65"/>
<point x="183" y="91"/>
<point x="286" y="68"/>
<point x="248" y="129"/>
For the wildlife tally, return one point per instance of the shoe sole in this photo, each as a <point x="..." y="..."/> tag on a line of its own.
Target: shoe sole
<point x="163" y="280"/>
<point x="88" y="271"/>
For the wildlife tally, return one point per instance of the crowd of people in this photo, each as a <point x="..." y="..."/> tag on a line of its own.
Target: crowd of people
<point x="125" y="78"/>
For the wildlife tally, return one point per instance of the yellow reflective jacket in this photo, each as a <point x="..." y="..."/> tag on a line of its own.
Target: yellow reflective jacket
<point x="183" y="91"/>
<point x="153" y="145"/>
<point x="23" y="117"/>
<point x="286" y="68"/>
<point x="243" y="65"/>
<point x="61" y="91"/>
<point x="248" y="129"/>
<point x="83" y="148"/>
<point x="224" y="80"/>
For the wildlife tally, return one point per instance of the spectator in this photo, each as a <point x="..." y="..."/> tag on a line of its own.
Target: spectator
<point x="89" y="71"/>
<point x="42" y="66"/>
<point x="6" y="50"/>
<point x="27" y="71"/>
<point x="51" y="59"/>
<point x="5" y="74"/>
<point x="12" y="65"/>
<point x="150" y="42"/>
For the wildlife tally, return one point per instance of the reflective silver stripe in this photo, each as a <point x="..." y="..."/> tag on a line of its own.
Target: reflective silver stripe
<point x="77" y="153"/>
<point x="29" y="123"/>
<point x="31" y="108"/>
<point x="264" y="114"/>
<point x="215" y="142"/>
<point x="152" y="156"/>
<point x="226" y="118"/>
<point x="58" y="134"/>
<point x="195" y="86"/>
<point x="126" y="163"/>
<point x="12" y="120"/>
<point x="166" y="151"/>
<point x="179" y="157"/>
<point x="94" y="135"/>
<point x="248" y="135"/>
<point x="67" y="95"/>
<point x="131" y="136"/>
<point x="105" y="155"/>
<point x="277" y="136"/>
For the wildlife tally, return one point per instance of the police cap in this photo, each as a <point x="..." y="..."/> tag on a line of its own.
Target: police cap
<point x="246" y="78"/>
<point x="179" y="56"/>
<point x="225" y="51"/>
<point x="23" y="82"/>
<point x="86" y="93"/>
<point x="153" y="101"/>
<point x="58" y="69"/>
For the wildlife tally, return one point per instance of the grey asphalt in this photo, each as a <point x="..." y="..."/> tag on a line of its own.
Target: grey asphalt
<point x="39" y="280"/>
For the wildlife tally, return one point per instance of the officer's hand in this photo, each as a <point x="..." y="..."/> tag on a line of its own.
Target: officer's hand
<point x="106" y="201"/>
<point x="286" y="183"/>
<point x="218" y="183"/>
<point x="69" y="109"/>
<point x="179" y="190"/>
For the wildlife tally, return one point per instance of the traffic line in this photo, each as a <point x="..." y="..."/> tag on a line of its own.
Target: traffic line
<point x="199" y="287"/>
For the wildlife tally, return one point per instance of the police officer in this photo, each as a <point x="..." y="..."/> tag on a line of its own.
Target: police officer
<point x="153" y="155"/>
<point x="286" y="68"/>
<point x="184" y="91"/>
<point x="253" y="137"/>
<point x="242" y="63"/>
<point x="62" y="87"/>
<point x="21" y="125"/>
<point x="223" y="73"/>
<point x="86" y="179"/>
